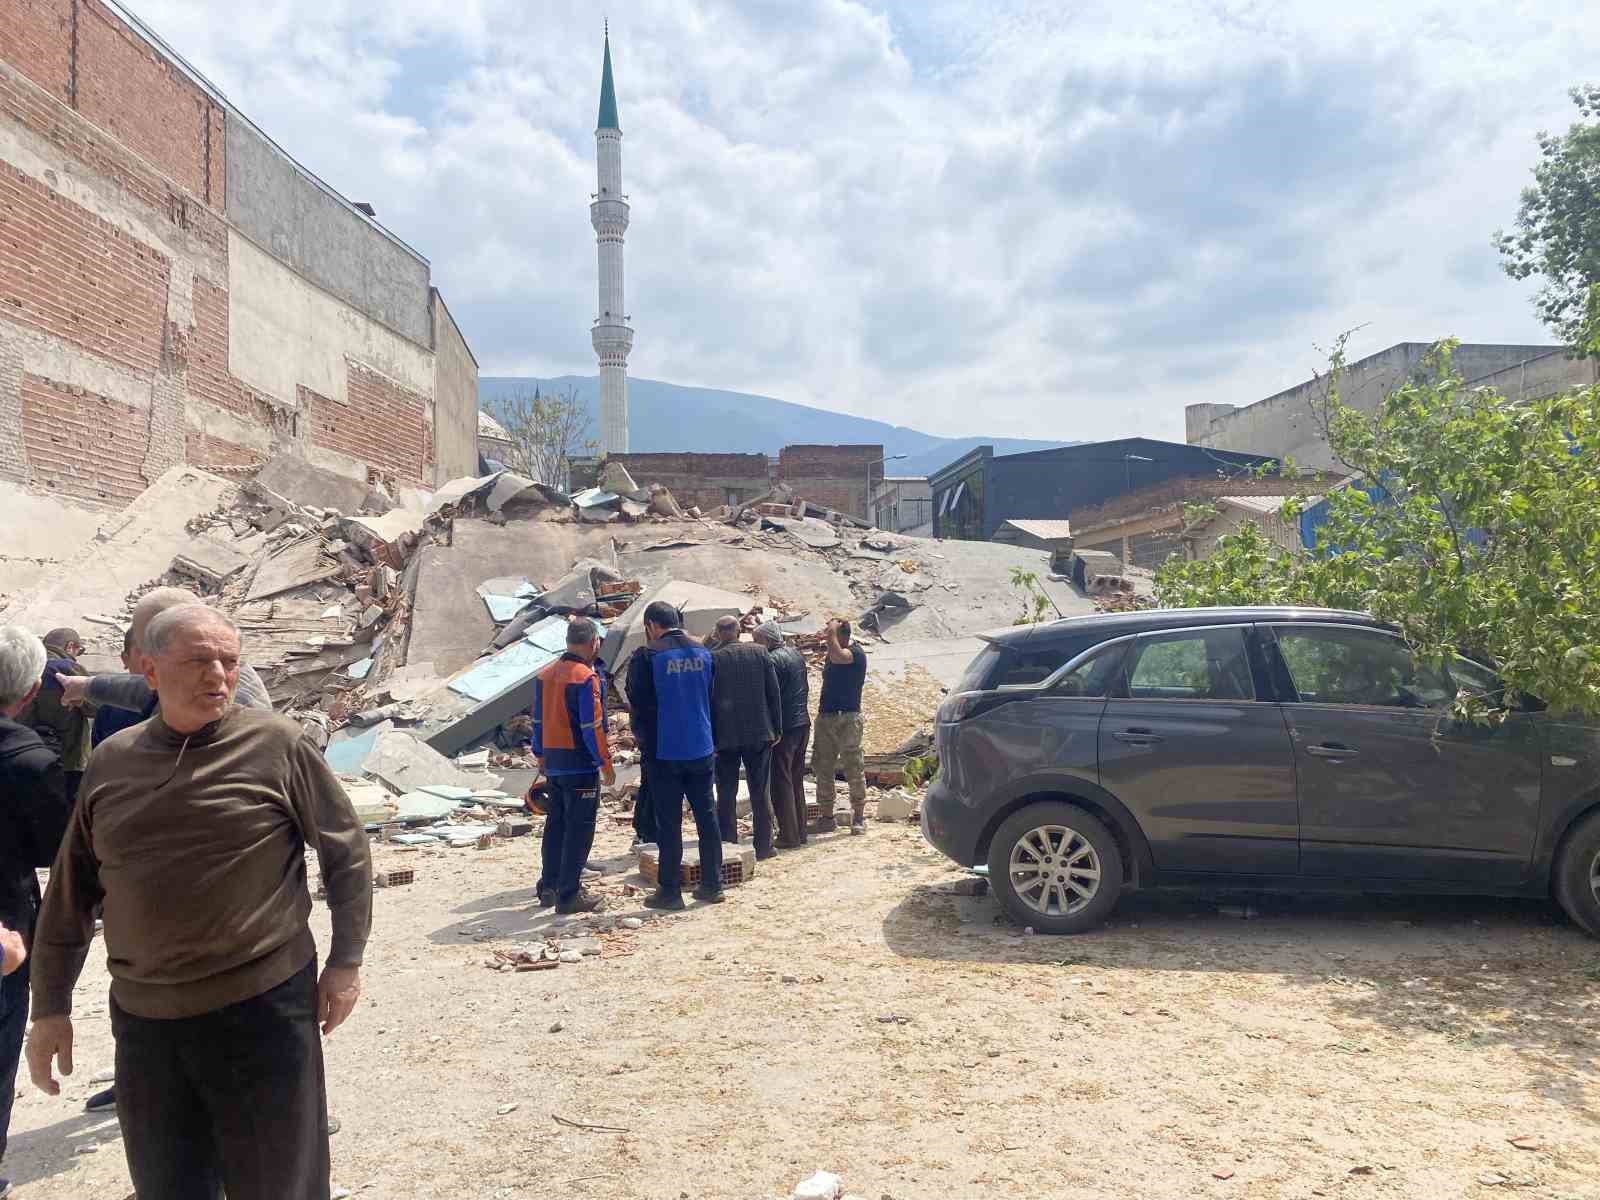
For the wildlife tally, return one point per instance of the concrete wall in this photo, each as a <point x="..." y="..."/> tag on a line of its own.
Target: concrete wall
<point x="285" y="211"/>
<point x="455" y="398"/>
<point x="141" y="327"/>
<point x="903" y="506"/>
<point x="1286" y="425"/>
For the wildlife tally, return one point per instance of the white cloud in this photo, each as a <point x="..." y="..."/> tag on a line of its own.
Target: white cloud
<point x="1014" y="218"/>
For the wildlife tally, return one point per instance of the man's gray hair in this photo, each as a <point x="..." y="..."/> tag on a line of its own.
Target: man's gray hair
<point x="22" y="659"/>
<point x="157" y="601"/>
<point x="581" y="631"/>
<point x="769" y="633"/>
<point x="165" y="627"/>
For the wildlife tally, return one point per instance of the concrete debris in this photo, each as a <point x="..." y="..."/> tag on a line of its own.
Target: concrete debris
<point x="405" y="764"/>
<point x="299" y="561"/>
<point x="822" y="1186"/>
<point x="699" y="606"/>
<point x="389" y="539"/>
<point x="209" y="562"/>
<point x="615" y="478"/>
<point x="897" y="805"/>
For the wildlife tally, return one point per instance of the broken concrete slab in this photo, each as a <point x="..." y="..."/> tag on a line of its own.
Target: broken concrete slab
<point x="346" y="753"/>
<point x="896" y="806"/>
<point x="573" y="593"/>
<point x="301" y="483"/>
<point x="128" y="550"/>
<point x="210" y="562"/>
<point x="819" y="535"/>
<point x="388" y="538"/>
<point x="510" y="667"/>
<point x="405" y="764"/>
<point x="295" y="563"/>
<point x="373" y="804"/>
<point x="413" y="807"/>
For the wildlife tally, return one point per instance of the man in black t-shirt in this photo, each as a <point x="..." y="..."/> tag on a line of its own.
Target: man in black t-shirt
<point x="837" y="736"/>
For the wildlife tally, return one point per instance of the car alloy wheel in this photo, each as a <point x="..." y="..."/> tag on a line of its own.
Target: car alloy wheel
<point x="1055" y="871"/>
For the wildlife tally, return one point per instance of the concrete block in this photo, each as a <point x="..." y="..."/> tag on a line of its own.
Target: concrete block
<point x="896" y="806"/>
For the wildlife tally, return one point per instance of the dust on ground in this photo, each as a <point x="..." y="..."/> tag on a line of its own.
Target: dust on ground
<point x="847" y="1010"/>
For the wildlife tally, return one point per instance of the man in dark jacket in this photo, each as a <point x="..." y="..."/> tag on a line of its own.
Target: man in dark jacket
<point x="789" y="755"/>
<point x="669" y="691"/>
<point x="747" y="719"/>
<point x="34" y="811"/>
<point x="63" y="728"/>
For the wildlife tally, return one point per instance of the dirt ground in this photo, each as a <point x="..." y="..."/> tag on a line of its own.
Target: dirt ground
<point x="846" y="1010"/>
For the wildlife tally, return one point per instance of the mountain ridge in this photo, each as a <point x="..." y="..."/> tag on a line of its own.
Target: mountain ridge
<point x="725" y="422"/>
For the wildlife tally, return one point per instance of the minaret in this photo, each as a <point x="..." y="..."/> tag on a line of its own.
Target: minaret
<point x="613" y="337"/>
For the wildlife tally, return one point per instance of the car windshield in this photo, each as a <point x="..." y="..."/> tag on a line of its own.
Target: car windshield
<point x="978" y="669"/>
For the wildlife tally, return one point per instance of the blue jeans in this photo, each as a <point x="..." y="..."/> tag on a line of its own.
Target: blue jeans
<point x="13" y="1022"/>
<point x="670" y="784"/>
<point x="568" y="833"/>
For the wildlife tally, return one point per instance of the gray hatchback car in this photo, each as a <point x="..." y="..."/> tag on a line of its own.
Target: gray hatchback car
<point x="1271" y="748"/>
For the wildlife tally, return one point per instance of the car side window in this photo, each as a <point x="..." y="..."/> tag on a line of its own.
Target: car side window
<point x="1024" y="668"/>
<point x="1095" y="677"/>
<point x="1207" y="664"/>
<point x="1360" y="666"/>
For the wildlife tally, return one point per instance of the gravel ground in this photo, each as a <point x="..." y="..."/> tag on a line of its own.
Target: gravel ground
<point x="848" y="1010"/>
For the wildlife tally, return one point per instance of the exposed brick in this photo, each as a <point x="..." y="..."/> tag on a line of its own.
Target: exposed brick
<point x="36" y="35"/>
<point x="81" y="444"/>
<point x="133" y="93"/>
<point x="208" y="352"/>
<point x="65" y="271"/>
<point x="215" y="454"/>
<point x="381" y="424"/>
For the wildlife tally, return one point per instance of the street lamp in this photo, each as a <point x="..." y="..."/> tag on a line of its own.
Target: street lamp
<point x="867" y="503"/>
<point x="1127" y="465"/>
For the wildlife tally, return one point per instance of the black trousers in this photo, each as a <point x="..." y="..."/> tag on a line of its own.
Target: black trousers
<point x="673" y="783"/>
<point x="13" y="1021"/>
<point x="644" y="812"/>
<point x="568" y="833"/>
<point x="788" y="785"/>
<point x="233" y="1099"/>
<point x="757" y="762"/>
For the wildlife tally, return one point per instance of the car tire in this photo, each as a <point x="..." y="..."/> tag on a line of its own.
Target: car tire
<point x="1575" y="874"/>
<point x="1045" y="852"/>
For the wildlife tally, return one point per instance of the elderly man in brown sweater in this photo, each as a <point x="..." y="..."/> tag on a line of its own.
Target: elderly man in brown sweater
<point x="192" y="828"/>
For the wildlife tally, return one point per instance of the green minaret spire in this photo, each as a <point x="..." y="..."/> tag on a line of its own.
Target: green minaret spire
<point x="608" y="92"/>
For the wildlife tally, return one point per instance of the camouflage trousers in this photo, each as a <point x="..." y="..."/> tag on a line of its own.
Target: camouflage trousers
<point x="836" y="746"/>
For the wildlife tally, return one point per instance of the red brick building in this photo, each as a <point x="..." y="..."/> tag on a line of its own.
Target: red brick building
<point x="829" y="476"/>
<point x="174" y="288"/>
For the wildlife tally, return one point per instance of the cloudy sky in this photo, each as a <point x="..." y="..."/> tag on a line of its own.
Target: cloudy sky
<point x="1003" y="217"/>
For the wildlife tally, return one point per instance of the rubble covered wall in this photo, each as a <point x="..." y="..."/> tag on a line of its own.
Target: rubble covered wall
<point x="831" y="476"/>
<point x="706" y="481"/>
<point x="125" y="283"/>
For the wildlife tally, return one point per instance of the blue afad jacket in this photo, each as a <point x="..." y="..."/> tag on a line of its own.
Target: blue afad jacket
<point x="669" y="693"/>
<point x="569" y="719"/>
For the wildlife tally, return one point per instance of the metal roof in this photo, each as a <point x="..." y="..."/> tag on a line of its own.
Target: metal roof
<point x="608" y="94"/>
<point x="488" y="427"/>
<point x="1048" y="530"/>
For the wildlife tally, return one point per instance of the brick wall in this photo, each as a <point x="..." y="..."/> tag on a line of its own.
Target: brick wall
<point x="215" y="454"/>
<point x="701" y="480"/>
<point x="832" y="476"/>
<point x="67" y="272"/>
<point x="1176" y="491"/>
<point x="36" y="35"/>
<point x="381" y="423"/>
<point x="81" y="444"/>
<point x="114" y="269"/>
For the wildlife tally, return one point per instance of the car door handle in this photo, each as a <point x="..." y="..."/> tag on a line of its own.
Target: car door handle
<point x="1137" y="737"/>
<point x="1332" y="751"/>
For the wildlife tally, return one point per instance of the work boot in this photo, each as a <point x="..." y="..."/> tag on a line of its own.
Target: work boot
<point x="826" y="823"/>
<point x="547" y="897"/>
<point x="581" y="902"/>
<point x="666" y="901"/>
<point x="707" y="894"/>
<point x="858" y="820"/>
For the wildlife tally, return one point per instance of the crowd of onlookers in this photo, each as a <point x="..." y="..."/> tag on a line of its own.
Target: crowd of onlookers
<point x="701" y="711"/>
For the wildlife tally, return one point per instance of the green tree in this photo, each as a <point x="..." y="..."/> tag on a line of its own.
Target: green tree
<point x="1558" y="228"/>
<point x="546" y="430"/>
<point x="1483" y="536"/>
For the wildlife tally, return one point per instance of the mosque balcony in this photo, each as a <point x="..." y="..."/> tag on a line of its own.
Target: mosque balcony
<point x="609" y="213"/>
<point x="610" y="337"/>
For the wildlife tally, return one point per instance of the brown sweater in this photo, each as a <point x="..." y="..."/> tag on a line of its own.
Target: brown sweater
<point x="197" y="846"/>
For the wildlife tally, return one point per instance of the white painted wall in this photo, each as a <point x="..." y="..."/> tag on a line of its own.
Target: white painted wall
<point x="284" y="331"/>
